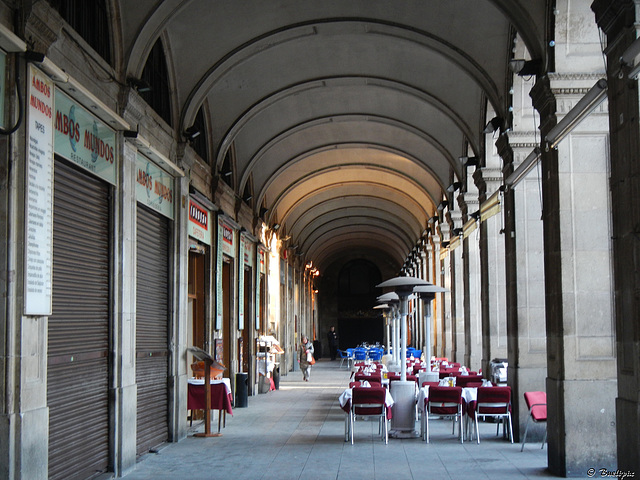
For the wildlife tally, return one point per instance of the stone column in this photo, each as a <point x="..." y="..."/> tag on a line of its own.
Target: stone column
<point x="472" y="290"/>
<point x="455" y="297"/>
<point x="580" y="344"/>
<point x="437" y="304"/>
<point x="494" y="325"/>
<point x="619" y="19"/>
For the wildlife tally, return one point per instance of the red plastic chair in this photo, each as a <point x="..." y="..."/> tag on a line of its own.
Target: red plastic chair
<point x="369" y="402"/>
<point x="445" y="401"/>
<point x="492" y="402"/>
<point x="537" y="404"/>
<point x="375" y="377"/>
<point x="464" y="380"/>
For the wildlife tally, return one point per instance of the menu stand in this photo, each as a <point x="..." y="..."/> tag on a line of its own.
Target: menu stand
<point x="208" y="361"/>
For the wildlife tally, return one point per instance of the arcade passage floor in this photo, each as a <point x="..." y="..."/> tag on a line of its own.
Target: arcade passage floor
<point x="297" y="432"/>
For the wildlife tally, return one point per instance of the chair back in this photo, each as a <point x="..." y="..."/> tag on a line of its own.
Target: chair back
<point x="444" y="400"/>
<point x="360" y="354"/>
<point x="537" y="404"/>
<point x="376" y="377"/>
<point x="464" y="380"/>
<point x="375" y="354"/>
<point x="368" y="400"/>
<point x="430" y="384"/>
<point x="493" y="400"/>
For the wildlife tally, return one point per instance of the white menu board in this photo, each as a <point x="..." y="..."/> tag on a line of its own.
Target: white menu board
<point x="39" y="196"/>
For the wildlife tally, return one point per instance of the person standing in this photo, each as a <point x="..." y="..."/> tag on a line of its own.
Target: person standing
<point x="332" y="338"/>
<point x="305" y="357"/>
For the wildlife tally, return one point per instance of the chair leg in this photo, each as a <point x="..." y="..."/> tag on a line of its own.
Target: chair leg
<point x="510" y="427"/>
<point x="347" y="426"/>
<point x="460" y="430"/>
<point x="544" y="440"/>
<point x="477" y="429"/>
<point x="386" y="429"/>
<point x="526" y="430"/>
<point x="427" y="422"/>
<point x="352" y="422"/>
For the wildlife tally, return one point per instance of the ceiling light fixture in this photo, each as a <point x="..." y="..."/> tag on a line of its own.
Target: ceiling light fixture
<point x="469" y="161"/>
<point x="496" y="123"/>
<point x="525" y="68"/>
<point x="454" y="186"/>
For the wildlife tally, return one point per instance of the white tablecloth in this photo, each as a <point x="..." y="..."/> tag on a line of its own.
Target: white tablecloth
<point x="200" y="381"/>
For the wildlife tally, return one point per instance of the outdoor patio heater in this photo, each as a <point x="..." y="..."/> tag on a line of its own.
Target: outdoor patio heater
<point x="403" y="392"/>
<point x="427" y="293"/>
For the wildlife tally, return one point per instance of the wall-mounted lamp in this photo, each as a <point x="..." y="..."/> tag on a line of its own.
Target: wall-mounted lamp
<point x="443" y="205"/>
<point x="525" y="68"/>
<point x="276" y="227"/>
<point x="496" y="123"/>
<point x="433" y="220"/>
<point x="141" y="86"/>
<point x="584" y="107"/>
<point x="458" y="231"/>
<point x="228" y="173"/>
<point x="454" y="186"/>
<point x="192" y="132"/>
<point x="248" y="197"/>
<point x="263" y="211"/>
<point x="444" y="244"/>
<point x="628" y="60"/>
<point x="521" y="171"/>
<point x="475" y="215"/>
<point x="469" y="161"/>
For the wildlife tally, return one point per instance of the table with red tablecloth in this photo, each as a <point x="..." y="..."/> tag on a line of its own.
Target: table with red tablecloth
<point x="221" y="398"/>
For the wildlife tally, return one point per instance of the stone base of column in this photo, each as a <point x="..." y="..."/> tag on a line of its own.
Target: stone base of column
<point x="628" y="415"/>
<point x="581" y="425"/>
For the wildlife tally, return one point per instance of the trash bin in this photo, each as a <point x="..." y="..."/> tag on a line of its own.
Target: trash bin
<point x="276" y="375"/>
<point x="242" y="390"/>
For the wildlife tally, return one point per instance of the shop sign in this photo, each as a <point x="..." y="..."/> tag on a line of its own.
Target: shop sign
<point x="199" y="222"/>
<point x="248" y="254"/>
<point x="242" y="246"/>
<point x="39" y="195"/>
<point x="227" y="235"/>
<point x="263" y="262"/>
<point x="3" y="68"/>
<point x="84" y="140"/>
<point x="154" y="187"/>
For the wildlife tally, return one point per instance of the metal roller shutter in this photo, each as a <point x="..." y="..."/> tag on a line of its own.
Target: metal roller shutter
<point x="78" y="329"/>
<point x="152" y="329"/>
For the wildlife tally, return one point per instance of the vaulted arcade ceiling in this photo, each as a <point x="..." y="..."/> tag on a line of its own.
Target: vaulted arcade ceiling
<point x="346" y="117"/>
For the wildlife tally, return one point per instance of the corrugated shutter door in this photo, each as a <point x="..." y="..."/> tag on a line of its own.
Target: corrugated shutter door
<point x="78" y="329"/>
<point x="152" y="329"/>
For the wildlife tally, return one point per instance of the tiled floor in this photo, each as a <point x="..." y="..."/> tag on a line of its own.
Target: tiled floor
<point x="297" y="432"/>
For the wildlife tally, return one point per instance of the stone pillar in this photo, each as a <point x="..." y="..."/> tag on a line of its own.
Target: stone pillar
<point x="524" y="268"/>
<point x="437" y="304"/>
<point x="619" y="20"/>
<point x="494" y="325"/>
<point x="472" y="290"/>
<point x="455" y="297"/>
<point x="580" y="349"/>
<point x="24" y="414"/>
